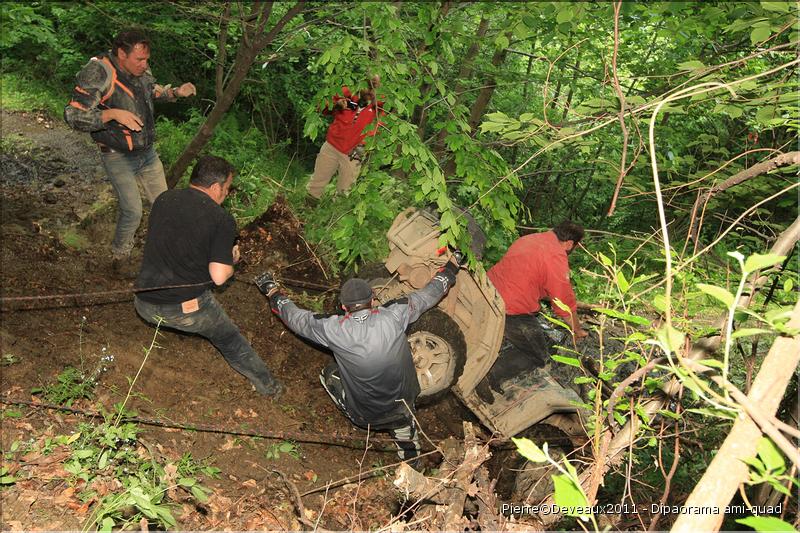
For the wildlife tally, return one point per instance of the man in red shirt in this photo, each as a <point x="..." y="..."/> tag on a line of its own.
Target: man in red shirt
<point x="344" y="143"/>
<point x="535" y="268"/>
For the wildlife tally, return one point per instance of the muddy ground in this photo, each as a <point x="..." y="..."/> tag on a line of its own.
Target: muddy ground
<point x="57" y="221"/>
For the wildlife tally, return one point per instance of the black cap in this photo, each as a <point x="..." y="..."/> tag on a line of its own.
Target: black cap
<point x="355" y="291"/>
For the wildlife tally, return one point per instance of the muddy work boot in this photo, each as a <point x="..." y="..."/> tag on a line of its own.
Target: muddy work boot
<point x="123" y="267"/>
<point x="274" y="388"/>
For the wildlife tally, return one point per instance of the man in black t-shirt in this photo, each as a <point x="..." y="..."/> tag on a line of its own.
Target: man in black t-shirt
<point x="190" y="242"/>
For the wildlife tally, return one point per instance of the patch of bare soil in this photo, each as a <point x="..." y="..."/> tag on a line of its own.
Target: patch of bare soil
<point x="57" y="223"/>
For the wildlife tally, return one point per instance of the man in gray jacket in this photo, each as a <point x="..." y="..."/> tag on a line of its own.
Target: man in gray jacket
<point x="373" y="379"/>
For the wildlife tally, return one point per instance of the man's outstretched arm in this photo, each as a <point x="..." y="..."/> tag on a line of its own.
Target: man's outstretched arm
<point x="301" y="321"/>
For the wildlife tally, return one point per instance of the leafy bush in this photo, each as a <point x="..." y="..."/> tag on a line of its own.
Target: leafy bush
<point x="71" y="385"/>
<point x="263" y="170"/>
<point x="119" y="474"/>
<point x="21" y="93"/>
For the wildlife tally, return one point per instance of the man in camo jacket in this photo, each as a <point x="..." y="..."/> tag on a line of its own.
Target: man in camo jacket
<point x="113" y="101"/>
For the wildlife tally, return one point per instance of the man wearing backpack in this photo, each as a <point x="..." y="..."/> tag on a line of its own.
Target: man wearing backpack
<point x="113" y="101"/>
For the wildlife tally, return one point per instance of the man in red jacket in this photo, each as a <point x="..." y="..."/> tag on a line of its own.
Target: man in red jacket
<point x="344" y="143"/>
<point x="535" y="268"/>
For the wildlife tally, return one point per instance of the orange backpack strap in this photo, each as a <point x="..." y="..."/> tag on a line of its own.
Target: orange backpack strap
<point x="111" y="72"/>
<point x="114" y="83"/>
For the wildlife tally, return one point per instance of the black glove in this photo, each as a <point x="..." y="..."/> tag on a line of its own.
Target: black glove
<point x="447" y="274"/>
<point x="459" y="257"/>
<point x="266" y="283"/>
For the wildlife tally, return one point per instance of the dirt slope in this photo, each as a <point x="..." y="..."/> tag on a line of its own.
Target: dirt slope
<point x="57" y="222"/>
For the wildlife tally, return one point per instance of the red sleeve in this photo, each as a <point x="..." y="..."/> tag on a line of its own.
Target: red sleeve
<point x="558" y="286"/>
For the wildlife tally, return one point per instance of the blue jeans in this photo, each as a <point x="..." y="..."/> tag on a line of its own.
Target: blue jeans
<point x="125" y="170"/>
<point x="211" y="321"/>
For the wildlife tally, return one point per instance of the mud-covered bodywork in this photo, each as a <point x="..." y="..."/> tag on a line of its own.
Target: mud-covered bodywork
<point x="506" y="395"/>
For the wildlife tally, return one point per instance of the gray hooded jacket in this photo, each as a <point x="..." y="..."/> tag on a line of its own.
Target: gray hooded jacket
<point x="371" y="349"/>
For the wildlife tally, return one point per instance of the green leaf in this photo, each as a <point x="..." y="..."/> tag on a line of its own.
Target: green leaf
<point x="604" y="259"/>
<point x="757" y="465"/>
<point x="691" y="65"/>
<point x="187" y="482"/>
<point x="101" y="464"/>
<point x="636" y="336"/>
<point x="770" y="456"/>
<point x="760" y="34"/>
<point x="501" y="41"/>
<point x="622" y="283"/>
<point x="765" y="114"/>
<point x="713" y="363"/>
<point x="198" y="493"/>
<point x="717" y="292"/>
<point x="660" y="303"/>
<point x="765" y="523"/>
<point x="778" y="315"/>
<point x="633" y="319"/>
<point x="561" y="305"/>
<point x="758" y="261"/>
<point x="107" y="524"/>
<point x="83" y="453"/>
<point x="748" y="332"/>
<point x="671" y="339"/>
<point x="529" y="20"/>
<point x="733" y="111"/>
<point x="569" y="496"/>
<point x="780" y="7"/>
<point x="529" y="450"/>
<point x="571" y="361"/>
<point x="565" y="15"/>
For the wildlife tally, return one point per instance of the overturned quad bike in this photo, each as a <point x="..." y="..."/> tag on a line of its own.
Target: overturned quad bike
<point x="459" y="346"/>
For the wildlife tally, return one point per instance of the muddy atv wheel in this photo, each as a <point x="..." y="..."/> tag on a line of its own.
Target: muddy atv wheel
<point x="439" y="352"/>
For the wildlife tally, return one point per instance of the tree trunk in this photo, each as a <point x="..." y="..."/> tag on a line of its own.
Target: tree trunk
<point x="464" y="73"/>
<point x="418" y="116"/>
<point x="222" y="52"/>
<point x="481" y="103"/>
<point x="485" y="96"/>
<point x="252" y="43"/>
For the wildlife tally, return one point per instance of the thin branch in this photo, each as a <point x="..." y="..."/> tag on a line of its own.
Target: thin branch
<point x="222" y="51"/>
<point x="620" y="115"/>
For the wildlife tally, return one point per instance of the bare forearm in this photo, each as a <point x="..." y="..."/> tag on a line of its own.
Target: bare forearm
<point x="220" y="272"/>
